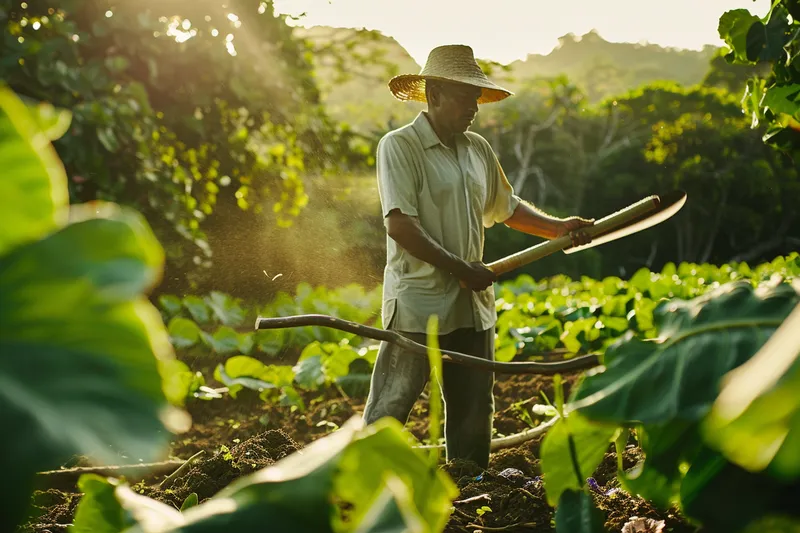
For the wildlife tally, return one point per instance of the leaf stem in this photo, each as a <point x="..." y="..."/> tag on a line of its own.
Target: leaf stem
<point x="732" y="324"/>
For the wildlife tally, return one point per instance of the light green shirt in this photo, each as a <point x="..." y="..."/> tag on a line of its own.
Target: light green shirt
<point x="455" y="193"/>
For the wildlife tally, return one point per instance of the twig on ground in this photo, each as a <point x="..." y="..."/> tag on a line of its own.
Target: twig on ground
<point x="40" y="527"/>
<point x="503" y="528"/>
<point x="522" y="367"/>
<point x="474" y="498"/>
<point x="180" y="470"/>
<point x="69" y="476"/>
<point x="511" y="440"/>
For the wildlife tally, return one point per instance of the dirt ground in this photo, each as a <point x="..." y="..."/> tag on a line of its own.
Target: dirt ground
<point x="241" y="435"/>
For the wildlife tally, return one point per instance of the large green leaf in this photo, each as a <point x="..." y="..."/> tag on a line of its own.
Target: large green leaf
<point x="576" y="513"/>
<point x="755" y="421"/>
<point x="783" y="99"/>
<point x="727" y="498"/>
<point x="33" y="189"/>
<point x="677" y="377"/>
<point x="666" y="449"/>
<point x="80" y="345"/>
<point x="99" y="510"/>
<point x="590" y="440"/>
<point x="302" y="492"/>
<point x="753" y="39"/>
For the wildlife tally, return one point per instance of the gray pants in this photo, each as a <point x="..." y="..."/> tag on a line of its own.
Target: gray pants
<point x="400" y="376"/>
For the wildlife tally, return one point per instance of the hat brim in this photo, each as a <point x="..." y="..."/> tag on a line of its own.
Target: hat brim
<point x="411" y="87"/>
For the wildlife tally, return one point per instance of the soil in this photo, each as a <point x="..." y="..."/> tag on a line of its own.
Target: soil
<point x="241" y="435"/>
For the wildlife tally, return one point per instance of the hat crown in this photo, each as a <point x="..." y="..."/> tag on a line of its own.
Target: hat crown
<point x="450" y="62"/>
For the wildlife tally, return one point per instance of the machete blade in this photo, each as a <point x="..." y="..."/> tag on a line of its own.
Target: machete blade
<point x="669" y="204"/>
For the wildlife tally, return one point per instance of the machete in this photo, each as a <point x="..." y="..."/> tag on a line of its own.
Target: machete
<point x="634" y="218"/>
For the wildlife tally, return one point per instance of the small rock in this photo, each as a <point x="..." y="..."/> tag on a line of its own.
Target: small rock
<point x="643" y="525"/>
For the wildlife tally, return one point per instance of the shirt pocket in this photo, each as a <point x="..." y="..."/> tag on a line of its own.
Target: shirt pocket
<point x="478" y="180"/>
<point x="443" y="178"/>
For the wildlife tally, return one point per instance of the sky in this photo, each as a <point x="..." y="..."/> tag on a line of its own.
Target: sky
<point x="507" y="30"/>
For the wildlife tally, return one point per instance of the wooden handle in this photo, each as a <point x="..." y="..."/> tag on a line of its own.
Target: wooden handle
<point x="604" y="225"/>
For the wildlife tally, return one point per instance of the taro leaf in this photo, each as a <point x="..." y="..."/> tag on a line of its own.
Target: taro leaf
<point x="99" y="510"/>
<point x="33" y="191"/>
<point x="224" y="341"/>
<point x="580" y="334"/>
<point x="244" y="371"/>
<point x="386" y="515"/>
<point x="783" y="99"/>
<point x="735" y="29"/>
<point x="753" y="39"/>
<point x="226" y="309"/>
<point x="179" y="381"/>
<point x="80" y="347"/>
<point x="678" y="377"/>
<point x="591" y="443"/>
<point x="713" y="487"/>
<point x="576" y="513"/>
<point x="755" y="421"/>
<point x="183" y="333"/>
<point x="308" y="373"/>
<point x="357" y="382"/>
<point x="658" y="478"/>
<point x="367" y="462"/>
<point x="108" y="506"/>
<point x="337" y="363"/>
<point x="198" y="309"/>
<point x="268" y="342"/>
<point x="171" y="304"/>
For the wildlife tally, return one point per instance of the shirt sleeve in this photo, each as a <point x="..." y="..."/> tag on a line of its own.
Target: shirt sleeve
<point x="501" y="202"/>
<point x="397" y="176"/>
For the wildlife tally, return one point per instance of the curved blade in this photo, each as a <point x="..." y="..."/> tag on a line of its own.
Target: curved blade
<point x="669" y="204"/>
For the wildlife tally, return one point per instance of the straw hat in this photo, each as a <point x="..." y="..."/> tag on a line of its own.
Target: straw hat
<point x="453" y="62"/>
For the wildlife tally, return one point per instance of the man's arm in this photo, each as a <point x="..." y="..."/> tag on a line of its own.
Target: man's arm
<point x="409" y="234"/>
<point x="528" y="219"/>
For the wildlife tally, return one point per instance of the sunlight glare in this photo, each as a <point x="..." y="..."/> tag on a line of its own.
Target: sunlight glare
<point x="174" y="30"/>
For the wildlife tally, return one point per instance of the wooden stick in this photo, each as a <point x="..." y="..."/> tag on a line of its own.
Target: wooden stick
<point x="521" y="367"/>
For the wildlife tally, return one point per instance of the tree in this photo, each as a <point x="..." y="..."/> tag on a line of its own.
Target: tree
<point x="181" y="109"/>
<point x="773" y="40"/>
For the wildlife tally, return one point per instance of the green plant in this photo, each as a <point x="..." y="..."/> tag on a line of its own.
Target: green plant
<point x="82" y="351"/>
<point x="773" y="40"/>
<point x="667" y="389"/>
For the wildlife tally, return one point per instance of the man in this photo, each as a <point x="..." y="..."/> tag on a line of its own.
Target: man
<point x="439" y="186"/>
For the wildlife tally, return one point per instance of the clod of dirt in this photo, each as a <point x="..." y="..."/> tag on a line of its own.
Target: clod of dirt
<point x="520" y="458"/>
<point x="50" y="507"/>
<point x="207" y="477"/>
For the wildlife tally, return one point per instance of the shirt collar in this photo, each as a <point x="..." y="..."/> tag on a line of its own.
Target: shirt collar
<point x="426" y="132"/>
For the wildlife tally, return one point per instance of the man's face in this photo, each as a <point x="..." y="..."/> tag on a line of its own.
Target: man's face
<point x="455" y="105"/>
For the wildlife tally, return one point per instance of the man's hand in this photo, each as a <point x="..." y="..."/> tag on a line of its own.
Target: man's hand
<point x="476" y="276"/>
<point x="572" y="226"/>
